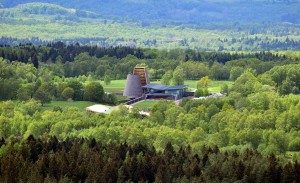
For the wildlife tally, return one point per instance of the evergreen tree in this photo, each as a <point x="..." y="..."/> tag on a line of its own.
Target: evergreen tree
<point x="35" y="61"/>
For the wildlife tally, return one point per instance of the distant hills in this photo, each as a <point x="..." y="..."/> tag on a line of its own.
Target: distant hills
<point x="45" y="9"/>
<point x="37" y="22"/>
<point x="192" y="12"/>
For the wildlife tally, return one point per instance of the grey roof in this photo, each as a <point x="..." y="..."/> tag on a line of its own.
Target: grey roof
<point x="133" y="88"/>
<point x="164" y="87"/>
<point x="159" y="94"/>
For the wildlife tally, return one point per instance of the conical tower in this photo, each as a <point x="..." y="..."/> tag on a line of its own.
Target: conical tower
<point x="133" y="88"/>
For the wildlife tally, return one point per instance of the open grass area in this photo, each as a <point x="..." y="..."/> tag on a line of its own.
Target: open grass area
<point x="215" y="86"/>
<point x="65" y="104"/>
<point x="146" y="104"/>
<point x="117" y="86"/>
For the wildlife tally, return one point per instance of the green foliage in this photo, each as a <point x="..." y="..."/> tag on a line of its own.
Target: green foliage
<point x="93" y="92"/>
<point x="287" y="78"/>
<point x="31" y="107"/>
<point x="178" y="76"/>
<point x="166" y="78"/>
<point x="203" y="83"/>
<point x="68" y="93"/>
<point x="92" y="62"/>
<point x="236" y="72"/>
<point x="246" y="84"/>
<point x="201" y="92"/>
<point x="219" y="72"/>
<point x="267" y="123"/>
<point x="195" y="70"/>
<point x="42" y="95"/>
<point x="25" y="92"/>
<point x="109" y="98"/>
<point x="294" y="144"/>
<point x="77" y="87"/>
<point x="224" y="89"/>
<point x="82" y="160"/>
<point x="107" y="80"/>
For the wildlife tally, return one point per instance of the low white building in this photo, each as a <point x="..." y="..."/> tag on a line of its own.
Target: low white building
<point x="98" y="108"/>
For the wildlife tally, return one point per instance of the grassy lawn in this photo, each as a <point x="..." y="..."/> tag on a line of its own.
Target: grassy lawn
<point x="65" y="104"/>
<point x="117" y="86"/>
<point x="215" y="86"/>
<point x="146" y="104"/>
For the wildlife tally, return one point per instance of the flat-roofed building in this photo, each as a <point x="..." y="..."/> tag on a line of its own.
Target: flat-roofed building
<point x="164" y="91"/>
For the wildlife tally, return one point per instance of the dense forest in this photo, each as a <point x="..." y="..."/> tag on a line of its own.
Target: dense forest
<point x="90" y="161"/>
<point x="52" y="51"/>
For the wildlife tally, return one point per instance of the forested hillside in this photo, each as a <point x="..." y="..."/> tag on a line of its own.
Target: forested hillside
<point x="38" y="22"/>
<point x="195" y="12"/>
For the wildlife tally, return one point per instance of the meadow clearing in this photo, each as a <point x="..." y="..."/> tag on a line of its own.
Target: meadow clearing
<point x="117" y="86"/>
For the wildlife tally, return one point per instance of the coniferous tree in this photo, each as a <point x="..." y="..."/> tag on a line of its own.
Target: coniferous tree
<point x="35" y="61"/>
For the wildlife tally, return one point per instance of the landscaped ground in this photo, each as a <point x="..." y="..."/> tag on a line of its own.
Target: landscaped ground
<point x="65" y="104"/>
<point x="117" y="86"/>
<point x="146" y="104"/>
<point x="215" y="86"/>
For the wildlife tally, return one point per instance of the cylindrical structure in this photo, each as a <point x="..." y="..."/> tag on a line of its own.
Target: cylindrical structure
<point x="133" y="88"/>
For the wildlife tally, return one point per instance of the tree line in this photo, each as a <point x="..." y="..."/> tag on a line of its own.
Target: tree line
<point x="80" y="160"/>
<point x="116" y="62"/>
<point x="50" y="52"/>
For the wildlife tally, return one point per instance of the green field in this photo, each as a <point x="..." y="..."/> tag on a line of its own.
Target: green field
<point x="146" y="104"/>
<point x="215" y="86"/>
<point x="66" y="104"/>
<point x="117" y="86"/>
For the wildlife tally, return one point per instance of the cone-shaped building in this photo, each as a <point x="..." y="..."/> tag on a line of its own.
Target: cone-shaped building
<point x="133" y="88"/>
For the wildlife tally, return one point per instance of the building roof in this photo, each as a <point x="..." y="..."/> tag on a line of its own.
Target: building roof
<point x="99" y="109"/>
<point x="164" y="87"/>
